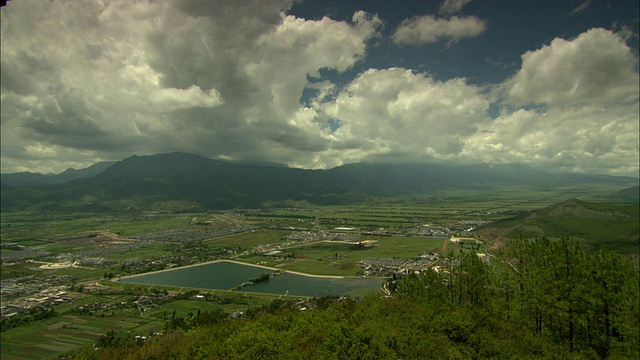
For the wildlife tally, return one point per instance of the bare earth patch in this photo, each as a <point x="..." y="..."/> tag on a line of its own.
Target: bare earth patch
<point x="57" y="325"/>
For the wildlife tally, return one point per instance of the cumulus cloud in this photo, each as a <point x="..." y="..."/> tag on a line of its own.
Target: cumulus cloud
<point x="397" y="112"/>
<point x="218" y="78"/>
<point x="585" y="113"/>
<point x="225" y="79"/>
<point x="595" y="67"/>
<point x="584" y="139"/>
<point x="429" y="29"/>
<point x="591" y="125"/>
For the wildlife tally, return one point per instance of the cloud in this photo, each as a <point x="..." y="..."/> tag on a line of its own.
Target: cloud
<point x="221" y="79"/>
<point x="450" y="7"/>
<point x="397" y="112"/>
<point x="580" y="8"/>
<point x="596" y="67"/>
<point x="84" y="82"/>
<point x="429" y="29"/>
<point x="172" y="99"/>
<point x="583" y="139"/>
<point x="584" y="118"/>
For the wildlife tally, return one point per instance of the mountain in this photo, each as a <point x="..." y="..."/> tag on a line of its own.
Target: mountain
<point x="28" y="178"/>
<point x="597" y="225"/>
<point x="73" y="174"/>
<point x="629" y="195"/>
<point x="22" y="178"/>
<point x="198" y="183"/>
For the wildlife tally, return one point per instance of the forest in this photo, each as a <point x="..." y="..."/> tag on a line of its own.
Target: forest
<point x="535" y="298"/>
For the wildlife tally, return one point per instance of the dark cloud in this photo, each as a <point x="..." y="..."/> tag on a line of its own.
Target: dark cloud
<point x="86" y="81"/>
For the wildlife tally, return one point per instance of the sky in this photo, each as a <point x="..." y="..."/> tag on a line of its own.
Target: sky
<point x="318" y="84"/>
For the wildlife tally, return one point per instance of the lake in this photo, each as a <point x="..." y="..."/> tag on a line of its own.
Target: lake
<point x="225" y="275"/>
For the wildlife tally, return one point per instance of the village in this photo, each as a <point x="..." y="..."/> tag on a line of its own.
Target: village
<point x="22" y="297"/>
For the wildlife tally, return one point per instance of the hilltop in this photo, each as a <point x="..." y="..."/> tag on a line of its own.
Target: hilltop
<point x="596" y="225"/>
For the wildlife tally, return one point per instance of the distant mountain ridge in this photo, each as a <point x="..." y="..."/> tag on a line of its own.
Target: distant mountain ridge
<point x="200" y="183"/>
<point x="29" y="178"/>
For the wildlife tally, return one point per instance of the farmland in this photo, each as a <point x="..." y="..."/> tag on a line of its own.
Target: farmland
<point x="322" y="240"/>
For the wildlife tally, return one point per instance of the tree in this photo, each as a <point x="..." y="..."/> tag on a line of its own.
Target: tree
<point x="612" y="302"/>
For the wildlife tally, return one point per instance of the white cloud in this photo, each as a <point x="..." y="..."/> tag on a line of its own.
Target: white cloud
<point x="586" y="139"/>
<point x="582" y="7"/>
<point x="225" y="79"/>
<point x="171" y="99"/>
<point x="450" y="7"/>
<point x="586" y="114"/>
<point x="596" y="67"/>
<point x="401" y="113"/>
<point x="429" y="29"/>
<point x="282" y="59"/>
<point x="396" y="113"/>
<point x="220" y="79"/>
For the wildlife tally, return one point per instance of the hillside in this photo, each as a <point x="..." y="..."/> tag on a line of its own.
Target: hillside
<point x="198" y="183"/>
<point x="596" y="225"/>
<point x="629" y="195"/>
<point x="428" y="316"/>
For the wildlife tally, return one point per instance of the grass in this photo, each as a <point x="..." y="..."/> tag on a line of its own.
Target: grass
<point x="320" y="257"/>
<point x="597" y="225"/>
<point x="403" y="247"/>
<point x="182" y="308"/>
<point x="322" y="267"/>
<point x="249" y="239"/>
<point x="45" y="339"/>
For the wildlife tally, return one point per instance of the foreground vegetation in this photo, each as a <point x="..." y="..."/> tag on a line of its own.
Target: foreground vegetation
<point x="112" y="245"/>
<point x="538" y="299"/>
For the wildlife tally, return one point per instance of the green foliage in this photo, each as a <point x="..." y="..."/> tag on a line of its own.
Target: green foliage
<point x="581" y="300"/>
<point x="34" y="314"/>
<point x="538" y="299"/>
<point x="260" y="278"/>
<point x="597" y="225"/>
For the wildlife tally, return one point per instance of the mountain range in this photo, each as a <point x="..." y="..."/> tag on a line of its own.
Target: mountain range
<point x="30" y="178"/>
<point x="193" y="183"/>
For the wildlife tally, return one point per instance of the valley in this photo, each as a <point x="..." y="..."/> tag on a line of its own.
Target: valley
<point x="91" y="254"/>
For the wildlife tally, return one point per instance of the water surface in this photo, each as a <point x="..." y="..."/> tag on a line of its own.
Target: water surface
<point x="225" y="275"/>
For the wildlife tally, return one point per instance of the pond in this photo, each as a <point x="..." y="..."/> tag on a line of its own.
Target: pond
<point x="226" y="275"/>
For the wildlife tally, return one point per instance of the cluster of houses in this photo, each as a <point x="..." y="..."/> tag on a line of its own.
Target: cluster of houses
<point x="150" y="301"/>
<point x="337" y="234"/>
<point x="43" y="299"/>
<point x="385" y="267"/>
<point x="95" y="307"/>
<point x="190" y="235"/>
<point x="27" y="285"/>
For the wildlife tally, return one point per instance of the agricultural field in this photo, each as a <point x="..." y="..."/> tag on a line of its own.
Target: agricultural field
<point x="330" y="240"/>
<point x="48" y="338"/>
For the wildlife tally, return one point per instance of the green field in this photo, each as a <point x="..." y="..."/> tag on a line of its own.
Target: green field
<point x="47" y="338"/>
<point x="249" y="239"/>
<point x="68" y="233"/>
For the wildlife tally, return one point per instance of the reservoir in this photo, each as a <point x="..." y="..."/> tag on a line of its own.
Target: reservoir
<point x="226" y="275"/>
